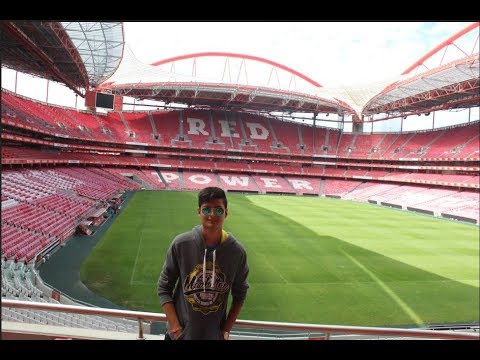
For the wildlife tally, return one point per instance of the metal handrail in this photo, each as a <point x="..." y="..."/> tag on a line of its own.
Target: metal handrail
<point x="328" y="329"/>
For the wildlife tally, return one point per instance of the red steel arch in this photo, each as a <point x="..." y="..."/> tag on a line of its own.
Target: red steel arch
<point x="442" y="45"/>
<point x="241" y="56"/>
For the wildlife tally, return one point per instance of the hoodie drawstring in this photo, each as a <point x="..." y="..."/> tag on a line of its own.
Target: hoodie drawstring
<point x="213" y="270"/>
<point x="212" y="283"/>
<point x="204" y="268"/>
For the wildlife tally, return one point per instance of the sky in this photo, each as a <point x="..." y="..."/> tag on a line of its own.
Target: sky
<point x="335" y="54"/>
<point x="327" y="52"/>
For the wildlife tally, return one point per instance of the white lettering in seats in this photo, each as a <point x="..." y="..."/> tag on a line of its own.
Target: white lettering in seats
<point x="235" y="180"/>
<point x="300" y="184"/>
<point x="169" y="176"/>
<point x="254" y="131"/>
<point x="270" y="183"/>
<point x="228" y="128"/>
<point x="196" y="127"/>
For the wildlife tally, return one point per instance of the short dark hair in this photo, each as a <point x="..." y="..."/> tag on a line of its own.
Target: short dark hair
<point x="211" y="193"/>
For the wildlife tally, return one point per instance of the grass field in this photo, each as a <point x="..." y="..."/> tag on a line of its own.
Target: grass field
<point x="312" y="260"/>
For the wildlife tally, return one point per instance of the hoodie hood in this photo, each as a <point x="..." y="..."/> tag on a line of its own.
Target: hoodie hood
<point x="197" y="230"/>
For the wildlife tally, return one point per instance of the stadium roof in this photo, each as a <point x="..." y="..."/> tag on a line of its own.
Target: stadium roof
<point x="91" y="54"/>
<point x="189" y="87"/>
<point x="447" y="85"/>
<point x="80" y="55"/>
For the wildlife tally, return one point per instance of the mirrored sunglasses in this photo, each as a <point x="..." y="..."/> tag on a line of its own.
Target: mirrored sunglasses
<point x="218" y="211"/>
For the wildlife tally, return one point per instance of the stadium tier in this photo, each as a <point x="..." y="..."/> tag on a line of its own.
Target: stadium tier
<point x="59" y="165"/>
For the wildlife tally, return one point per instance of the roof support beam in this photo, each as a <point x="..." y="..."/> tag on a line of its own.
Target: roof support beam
<point x="45" y="59"/>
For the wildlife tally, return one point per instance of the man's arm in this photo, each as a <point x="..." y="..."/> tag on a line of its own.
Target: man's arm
<point x="165" y="287"/>
<point x="239" y="294"/>
<point x="172" y="319"/>
<point x="232" y="316"/>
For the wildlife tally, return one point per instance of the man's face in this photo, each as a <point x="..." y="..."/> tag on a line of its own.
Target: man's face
<point x="212" y="214"/>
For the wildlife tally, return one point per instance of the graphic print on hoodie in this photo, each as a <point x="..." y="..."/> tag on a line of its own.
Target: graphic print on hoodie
<point x="205" y="287"/>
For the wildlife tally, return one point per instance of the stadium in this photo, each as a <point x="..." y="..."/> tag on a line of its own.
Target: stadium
<point x="357" y="226"/>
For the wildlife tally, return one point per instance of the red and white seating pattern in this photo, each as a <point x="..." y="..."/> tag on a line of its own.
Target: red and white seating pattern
<point x="273" y="184"/>
<point x="39" y="198"/>
<point x="306" y="185"/>
<point x="197" y="181"/>
<point x="238" y="182"/>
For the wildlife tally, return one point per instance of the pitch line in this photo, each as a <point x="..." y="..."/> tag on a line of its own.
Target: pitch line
<point x="271" y="267"/>
<point x="136" y="257"/>
<point x="402" y="304"/>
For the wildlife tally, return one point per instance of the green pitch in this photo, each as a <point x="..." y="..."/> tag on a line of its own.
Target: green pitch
<point x="312" y="260"/>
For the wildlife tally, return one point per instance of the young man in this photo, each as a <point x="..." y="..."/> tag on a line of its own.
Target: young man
<point x="203" y="266"/>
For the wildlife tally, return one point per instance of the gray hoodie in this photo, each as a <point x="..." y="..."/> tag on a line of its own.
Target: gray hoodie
<point x="206" y="277"/>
